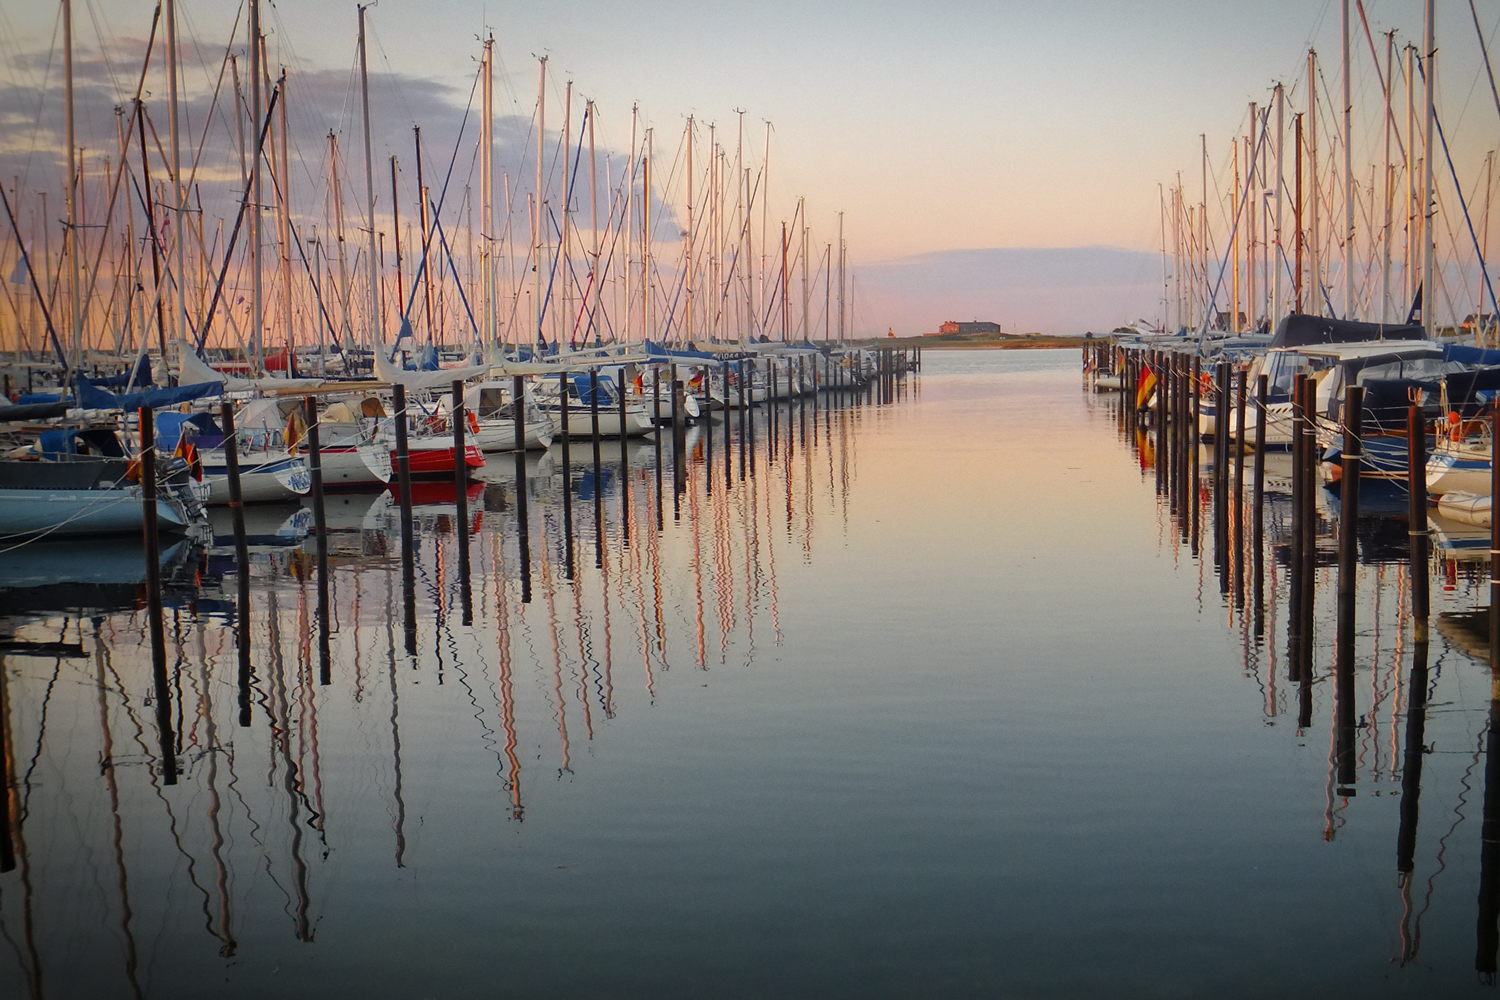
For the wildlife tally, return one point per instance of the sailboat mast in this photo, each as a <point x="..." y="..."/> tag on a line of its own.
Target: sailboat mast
<point x="841" y="277"/>
<point x="179" y="326"/>
<point x="536" y="216"/>
<point x="646" y="240"/>
<point x="1409" y="267"/>
<point x="345" y="335"/>
<point x="1385" y="238"/>
<point x="396" y="226"/>
<point x="806" y="289"/>
<point x="284" y="222"/>
<point x="1348" y="173"/>
<point x="1314" y="276"/>
<point x="75" y="280"/>
<point x="594" y="312"/>
<point x="373" y="334"/>
<point x="1276" y="253"/>
<point x="1429" y="297"/>
<point x="565" y="316"/>
<point x="627" y="220"/>
<point x="487" y="202"/>
<point x="687" y="324"/>
<point x="257" y="108"/>
<point x="426" y="236"/>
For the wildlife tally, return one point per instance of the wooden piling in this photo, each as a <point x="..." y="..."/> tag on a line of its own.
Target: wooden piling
<point x="155" y="618"/>
<point x="408" y="531"/>
<point x="241" y="556"/>
<point x="1416" y="484"/>
<point x="320" y="530"/>
<point x="1257" y="504"/>
<point x="459" y="418"/>
<point x="565" y="385"/>
<point x="1239" y="486"/>
<point x="1353" y="412"/>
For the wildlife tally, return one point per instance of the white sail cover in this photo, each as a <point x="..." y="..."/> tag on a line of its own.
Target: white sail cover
<point x="192" y="370"/>
<point x="385" y="371"/>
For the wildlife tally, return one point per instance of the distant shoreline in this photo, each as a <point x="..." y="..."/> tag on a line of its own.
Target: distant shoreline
<point x="998" y="344"/>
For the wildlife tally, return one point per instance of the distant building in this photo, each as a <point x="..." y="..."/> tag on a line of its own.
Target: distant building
<point x="968" y="329"/>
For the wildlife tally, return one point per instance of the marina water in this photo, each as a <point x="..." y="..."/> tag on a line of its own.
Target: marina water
<point x="918" y="698"/>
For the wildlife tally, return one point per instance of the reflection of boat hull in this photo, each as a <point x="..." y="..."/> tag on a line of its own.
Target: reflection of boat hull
<point x="75" y="513"/>
<point x="429" y="462"/>
<point x="1466" y="508"/>
<point x="113" y="561"/>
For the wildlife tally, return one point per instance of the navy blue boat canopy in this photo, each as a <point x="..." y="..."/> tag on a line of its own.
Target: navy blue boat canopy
<point x="1302" y="330"/>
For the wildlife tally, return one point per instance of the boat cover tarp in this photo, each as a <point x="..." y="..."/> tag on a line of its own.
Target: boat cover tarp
<point x="386" y="371"/>
<point x="1470" y="355"/>
<point x="27" y="398"/>
<point x="34" y="411"/>
<point x="142" y="380"/>
<point x="1302" y="330"/>
<point x="1388" y="400"/>
<point x="1470" y="392"/>
<point x="90" y="397"/>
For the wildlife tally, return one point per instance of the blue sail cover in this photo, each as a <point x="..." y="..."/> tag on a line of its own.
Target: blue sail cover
<point x="1470" y="355"/>
<point x="142" y="380"/>
<point x="91" y="397"/>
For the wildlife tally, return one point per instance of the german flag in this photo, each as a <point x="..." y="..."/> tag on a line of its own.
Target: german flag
<point x="1145" y="387"/>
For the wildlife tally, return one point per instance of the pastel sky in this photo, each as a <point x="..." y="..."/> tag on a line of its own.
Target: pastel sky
<point x="933" y="126"/>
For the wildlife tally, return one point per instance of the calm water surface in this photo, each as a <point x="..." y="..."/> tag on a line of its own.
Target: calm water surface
<point x="933" y="705"/>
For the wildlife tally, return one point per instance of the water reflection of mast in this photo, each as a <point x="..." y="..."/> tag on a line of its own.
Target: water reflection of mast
<point x="111" y="781"/>
<point x="390" y="637"/>
<point x="507" y="690"/>
<point x="281" y="737"/>
<point x="640" y="598"/>
<point x="694" y="513"/>
<point x="1489" y="853"/>
<point x="562" y="710"/>
<point x="13" y="846"/>
<point x="216" y="848"/>
<point x="1411" y="792"/>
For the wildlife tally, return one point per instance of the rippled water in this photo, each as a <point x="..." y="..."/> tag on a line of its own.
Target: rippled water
<point x="935" y="704"/>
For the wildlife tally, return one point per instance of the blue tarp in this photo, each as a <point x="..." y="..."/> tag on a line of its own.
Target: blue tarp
<point x="90" y="397"/>
<point x="142" y="377"/>
<point x="28" y="398"/>
<point x="1470" y="355"/>
<point x="169" y="427"/>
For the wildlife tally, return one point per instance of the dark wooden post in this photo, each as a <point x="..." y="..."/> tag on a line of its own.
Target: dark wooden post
<point x="408" y="542"/>
<point x="1416" y="483"/>
<point x="241" y="556"/>
<point x="155" y="621"/>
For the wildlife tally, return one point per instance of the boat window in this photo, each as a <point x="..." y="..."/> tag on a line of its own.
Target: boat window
<point x="1421" y="369"/>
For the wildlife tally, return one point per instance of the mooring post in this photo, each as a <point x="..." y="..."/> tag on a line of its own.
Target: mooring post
<point x="598" y="468"/>
<point x="1294" y="605"/>
<point x="1416" y="484"/>
<point x="241" y="556"/>
<point x="1411" y="762"/>
<point x="1310" y="459"/>
<point x="320" y="531"/>
<point x="518" y="410"/>
<point x="408" y="541"/>
<point x="1239" y="486"/>
<point x="156" y="621"/>
<point x="1257" y="503"/>
<point x="459" y="418"/>
<point x="565" y="385"/>
<point x="1353" y="412"/>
